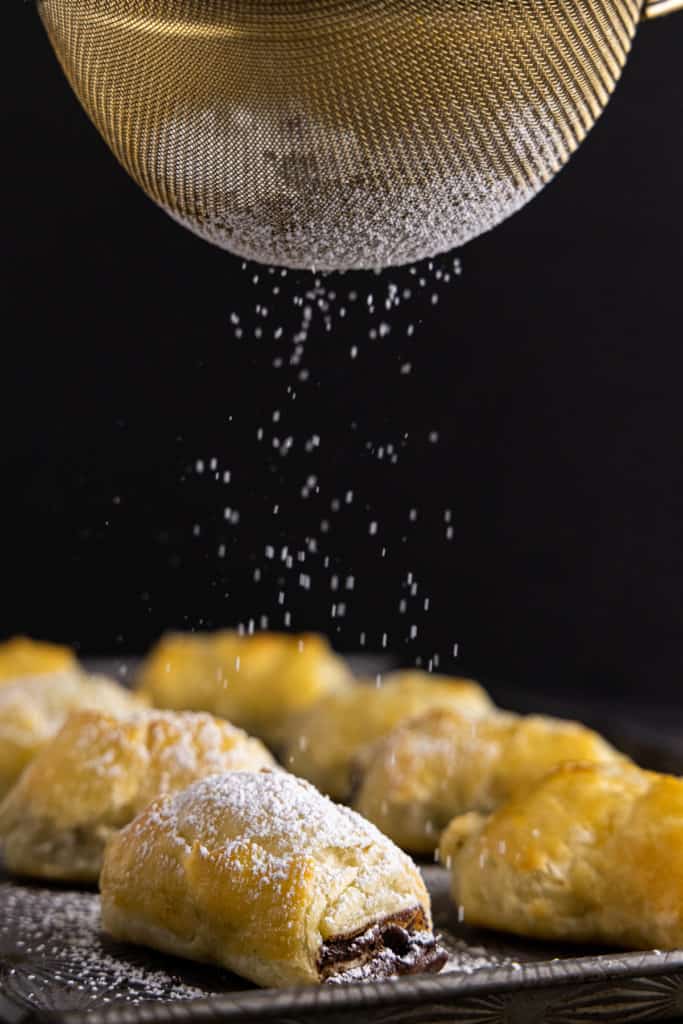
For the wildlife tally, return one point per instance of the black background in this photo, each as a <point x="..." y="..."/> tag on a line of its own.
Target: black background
<point x="551" y="370"/>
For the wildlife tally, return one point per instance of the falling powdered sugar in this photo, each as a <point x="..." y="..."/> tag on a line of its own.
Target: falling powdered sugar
<point x="303" y="514"/>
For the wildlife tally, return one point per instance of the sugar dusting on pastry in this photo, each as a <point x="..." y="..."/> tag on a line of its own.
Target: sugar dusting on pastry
<point x="274" y="805"/>
<point x="181" y="742"/>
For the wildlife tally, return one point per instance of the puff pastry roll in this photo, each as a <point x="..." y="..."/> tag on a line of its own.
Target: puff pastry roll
<point x="33" y="709"/>
<point x="261" y="874"/>
<point x="23" y="657"/>
<point x="441" y="764"/>
<point x="324" y="743"/>
<point x="98" y="773"/>
<point x="593" y="853"/>
<point x="254" y="681"/>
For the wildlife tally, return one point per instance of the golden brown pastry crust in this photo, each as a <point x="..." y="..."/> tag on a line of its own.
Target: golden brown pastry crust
<point x="593" y="853"/>
<point x="254" y="681"/>
<point x="325" y="742"/>
<point x="21" y="656"/>
<point x="33" y="709"/>
<point x="99" y="772"/>
<point x="441" y="764"/>
<point x="260" y="873"/>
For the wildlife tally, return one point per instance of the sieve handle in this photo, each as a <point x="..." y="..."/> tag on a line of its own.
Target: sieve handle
<point x="654" y="8"/>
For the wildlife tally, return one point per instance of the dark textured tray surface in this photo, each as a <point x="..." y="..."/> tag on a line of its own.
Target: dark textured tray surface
<point x="54" y="958"/>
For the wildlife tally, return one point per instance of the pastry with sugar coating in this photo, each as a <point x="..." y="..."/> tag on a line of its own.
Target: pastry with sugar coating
<point x="593" y="853"/>
<point x="98" y="773"/>
<point x="254" y="681"/>
<point x="33" y="709"/>
<point x="261" y="874"/>
<point x="441" y="764"/>
<point x="324" y="743"/>
<point x="20" y="656"/>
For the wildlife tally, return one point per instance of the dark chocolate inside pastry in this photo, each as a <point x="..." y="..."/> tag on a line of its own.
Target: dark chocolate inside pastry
<point x="398" y="944"/>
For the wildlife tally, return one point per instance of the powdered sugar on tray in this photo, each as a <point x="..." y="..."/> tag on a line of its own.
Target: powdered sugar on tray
<point x="466" y="959"/>
<point x="54" y="956"/>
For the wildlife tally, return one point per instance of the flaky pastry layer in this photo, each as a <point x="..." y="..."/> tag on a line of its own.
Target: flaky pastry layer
<point x="593" y="853"/>
<point x="324" y="743"/>
<point x="21" y="656"/>
<point x="254" y="681"/>
<point x="442" y="764"/>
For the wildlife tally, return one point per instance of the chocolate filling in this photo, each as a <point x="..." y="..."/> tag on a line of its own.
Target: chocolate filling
<point x="400" y="943"/>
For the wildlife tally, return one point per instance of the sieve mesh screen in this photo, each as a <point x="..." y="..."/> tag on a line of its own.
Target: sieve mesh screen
<point x="342" y="133"/>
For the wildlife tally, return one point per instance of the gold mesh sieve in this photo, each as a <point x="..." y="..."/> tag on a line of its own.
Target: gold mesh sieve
<point x="343" y="133"/>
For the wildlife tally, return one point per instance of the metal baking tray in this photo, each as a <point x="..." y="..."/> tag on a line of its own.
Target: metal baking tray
<point x="56" y="965"/>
